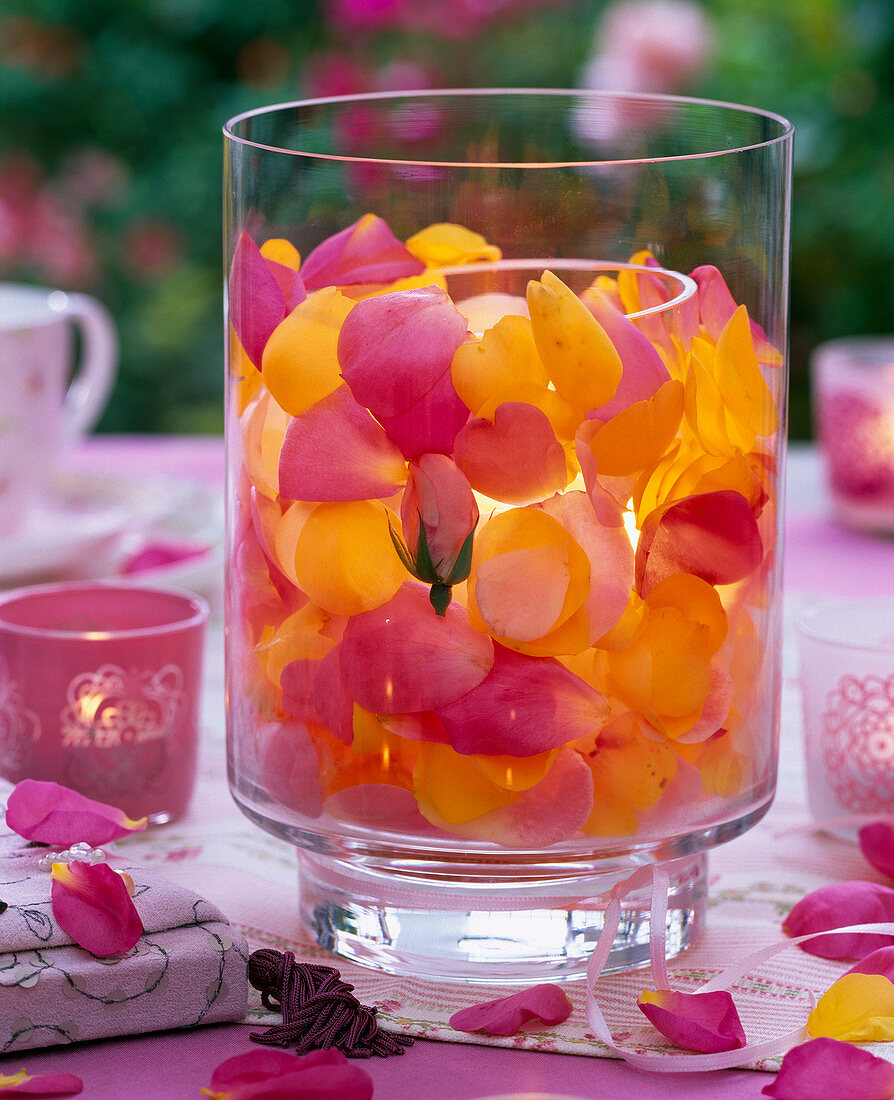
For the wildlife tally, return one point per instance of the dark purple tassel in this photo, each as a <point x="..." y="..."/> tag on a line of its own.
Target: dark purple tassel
<point x="318" y="1009"/>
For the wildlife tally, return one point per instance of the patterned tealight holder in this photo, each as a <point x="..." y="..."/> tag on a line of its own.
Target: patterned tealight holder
<point x="99" y="690"/>
<point x="847" y="684"/>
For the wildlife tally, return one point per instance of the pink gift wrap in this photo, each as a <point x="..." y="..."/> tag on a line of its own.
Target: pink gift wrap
<point x="189" y="967"/>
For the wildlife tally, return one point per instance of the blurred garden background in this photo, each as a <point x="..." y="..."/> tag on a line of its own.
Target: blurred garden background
<point x="110" y="140"/>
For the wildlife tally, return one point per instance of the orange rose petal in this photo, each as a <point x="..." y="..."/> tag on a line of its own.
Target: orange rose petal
<point x="344" y="558"/>
<point x="300" y="364"/>
<point x="575" y="349"/>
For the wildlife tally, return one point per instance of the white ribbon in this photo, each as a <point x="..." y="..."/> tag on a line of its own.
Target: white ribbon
<point x="689" y="1063"/>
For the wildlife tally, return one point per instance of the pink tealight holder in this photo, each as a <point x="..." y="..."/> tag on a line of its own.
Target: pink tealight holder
<point x="99" y="690"/>
<point x="853" y="401"/>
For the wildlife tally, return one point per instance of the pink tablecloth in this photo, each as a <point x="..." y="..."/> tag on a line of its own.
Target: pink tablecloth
<point x="251" y="877"/>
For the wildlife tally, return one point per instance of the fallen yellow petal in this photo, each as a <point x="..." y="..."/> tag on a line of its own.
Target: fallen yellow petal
<point x="858" y="1008"/>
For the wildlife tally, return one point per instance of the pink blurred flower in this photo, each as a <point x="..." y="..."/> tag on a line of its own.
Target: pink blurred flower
<point x="649" y="46"/>
<point x="151" y="248"/>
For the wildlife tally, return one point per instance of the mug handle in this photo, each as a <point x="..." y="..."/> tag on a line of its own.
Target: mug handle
<point x="91" y="387"/>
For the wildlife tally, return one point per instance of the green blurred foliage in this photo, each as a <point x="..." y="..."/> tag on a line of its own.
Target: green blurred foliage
<point x="110" y="151"/>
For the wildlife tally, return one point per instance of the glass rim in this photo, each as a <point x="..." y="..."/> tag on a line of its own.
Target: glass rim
<point x="687" y="285"/>
<point x="581" y="94"/>
<point x="194" y="611"/>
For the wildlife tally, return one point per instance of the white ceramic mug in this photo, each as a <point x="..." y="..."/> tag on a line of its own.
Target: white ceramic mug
<point x="46" y="399"/>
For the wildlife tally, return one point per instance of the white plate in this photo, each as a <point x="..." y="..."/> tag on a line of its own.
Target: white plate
<point x="90" y="524"/>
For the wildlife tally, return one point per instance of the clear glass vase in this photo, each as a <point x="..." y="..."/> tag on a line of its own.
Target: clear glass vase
<point x="505" y="431"/>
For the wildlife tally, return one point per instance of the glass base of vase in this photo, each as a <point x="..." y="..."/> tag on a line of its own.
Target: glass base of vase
<point x="491" y="932"/>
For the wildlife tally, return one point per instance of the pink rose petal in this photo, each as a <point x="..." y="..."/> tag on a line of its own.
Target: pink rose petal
<point x="379" y="806"/>
<point x="514" y="458"/>
<point x="290" y="766"/>
<point x="91" y="904"/>
<point x="403" y="657"/>
<point x="880" y="961"/>
<point x="336" y="451"/>
<point x="41" y="1084"/>
<point x="828" y="1069"/>
<point x="278" y="1075"/>
<point x="525" y="705"/>
<point x="258" y="296"/>
<point x="712" y="535"/>
<point x="423" y="726"/>
<point x="716" y="306"/>
<point x="551" y="811"/>
<point x="365" y="252"/>
<point x="836" y="905"/>
<point x="610" y="554"/>
<point x="547" y="1004"/>
<point x="332" y="701"/>
<point x="297" y="681"/>
<point x="432" y="424"/>
<point x="395" y="353"/>
<point x="643" y="369"/>
<point x="877" y="845"/>
<point x="394" y="348"/>
<point x="52" y="814"/>
<point x="703" y="1022"/>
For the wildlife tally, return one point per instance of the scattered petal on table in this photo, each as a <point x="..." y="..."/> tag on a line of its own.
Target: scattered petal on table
<point x="703" y="1022"/>
<point x="837" y="905"/>
<point x="876" y="962"/>
<point x="277" y="1075"/>
<point x="858" y="1008"/>
<point x="39" y="1084"/>
<point x="826" y="1069"/>
<point x="505" y="1016"/>
<point x="91" y="903"/>
<point x="877" y="845"/>
<point x="52" y="814"/>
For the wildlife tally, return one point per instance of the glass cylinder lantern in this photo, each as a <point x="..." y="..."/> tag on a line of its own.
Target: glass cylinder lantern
<point x="505" y="430"/>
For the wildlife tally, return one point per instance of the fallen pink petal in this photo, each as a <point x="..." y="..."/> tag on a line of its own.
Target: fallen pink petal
<point x="336" y="451"/>
<point x="365" y="252"/>
<point x="547" y="1004"/>
<point x="702" y="1022"/>
<point x="91" y="903"/>
<point x="828" y="1069"/>
<point x="877" y="845"/>
<point x="52" y="814"/>
<point x="837" y="905"/>
<point x="39" y="1084"/>
<point x="278" y="1075"/>
<point x="880" y="961"/>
